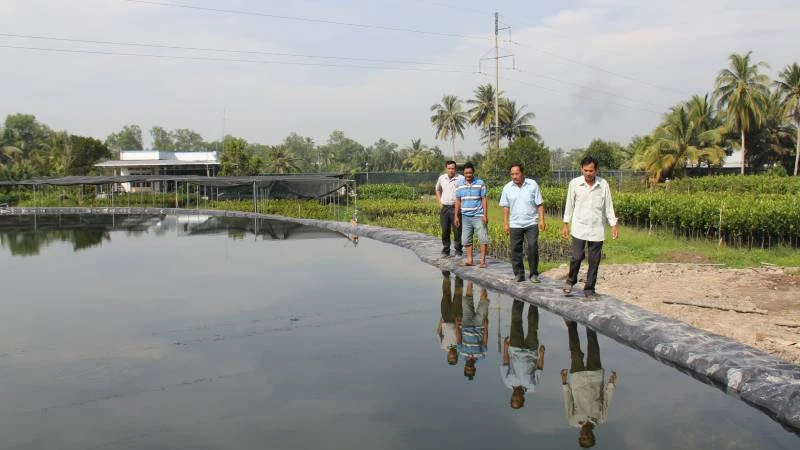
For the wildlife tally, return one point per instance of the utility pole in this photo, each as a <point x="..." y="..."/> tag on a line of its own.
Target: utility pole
<point x="496" y="81"/>
<point x="497" y="57"/>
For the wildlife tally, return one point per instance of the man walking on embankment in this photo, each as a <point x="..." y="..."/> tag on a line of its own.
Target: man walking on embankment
<point x="587" y="210"/>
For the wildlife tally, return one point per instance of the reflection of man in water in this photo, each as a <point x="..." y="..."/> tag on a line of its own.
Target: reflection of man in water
<point x="523" y="358"/>
<point x="585" y="399"/>
<point x="473" y="334"/>
<point x="451" y="315"/>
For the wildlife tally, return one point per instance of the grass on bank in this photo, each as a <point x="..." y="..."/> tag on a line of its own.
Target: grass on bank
<point x="637" y="245"/>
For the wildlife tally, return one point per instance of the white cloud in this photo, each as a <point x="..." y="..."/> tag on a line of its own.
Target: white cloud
<point x="97" y="94"/>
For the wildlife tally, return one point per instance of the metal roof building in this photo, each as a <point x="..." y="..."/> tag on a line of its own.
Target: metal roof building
<point x="158" y="163"/>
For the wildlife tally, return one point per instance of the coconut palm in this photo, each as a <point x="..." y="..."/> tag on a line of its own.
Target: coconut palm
<point x="449" y="119"/>
<point x="482" y="112"/>
<point x="772" y="142"/>
<point x="514" y="123"/>
<point x="703" y="113"/>
<point x="681" y="142"/>
<point x="743" y="93"/>
<point x="788" y="85"/>
<point x="282" y="160"/>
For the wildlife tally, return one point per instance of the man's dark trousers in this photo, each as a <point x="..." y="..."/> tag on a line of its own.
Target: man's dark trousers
<point x="446" y="220"/>
<point x="595" y="250"/>
<point x="516" y="235"/>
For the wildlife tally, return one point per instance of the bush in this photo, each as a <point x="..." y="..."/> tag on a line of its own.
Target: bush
<point x="388" y="191"/>
<point x="755" y="184"/>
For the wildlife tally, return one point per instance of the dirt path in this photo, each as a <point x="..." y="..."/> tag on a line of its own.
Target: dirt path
<point x="775" y="292"/>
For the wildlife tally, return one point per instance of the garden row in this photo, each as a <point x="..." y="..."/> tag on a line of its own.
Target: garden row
<point x="752" y="184"/>
<point x="742" y="219"/>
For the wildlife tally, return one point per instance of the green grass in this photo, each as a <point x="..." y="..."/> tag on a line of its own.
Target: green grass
<point x="638" y="246"/>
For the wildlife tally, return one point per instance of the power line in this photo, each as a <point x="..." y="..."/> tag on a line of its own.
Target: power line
<point x="454" y="7"/>
<point x="219" y="50"/>
<point x="582" y="86"/>
<point x="601" y="69"/>
<point x="237" y="60"/>
<point x="308" y="19"/>
<point x="602" y="100"/>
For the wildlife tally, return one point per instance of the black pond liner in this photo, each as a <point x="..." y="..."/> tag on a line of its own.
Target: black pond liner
<point x="751" y="375"/>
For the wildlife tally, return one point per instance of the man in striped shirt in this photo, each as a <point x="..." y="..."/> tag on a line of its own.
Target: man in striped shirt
<point x="472" y="331"/>
<point x="471" y="207"/>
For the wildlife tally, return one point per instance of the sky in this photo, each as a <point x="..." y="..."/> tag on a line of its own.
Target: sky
<point x="587" y="69"/>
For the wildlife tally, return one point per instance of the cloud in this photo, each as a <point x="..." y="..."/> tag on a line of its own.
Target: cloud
<point x="585" y="47"/>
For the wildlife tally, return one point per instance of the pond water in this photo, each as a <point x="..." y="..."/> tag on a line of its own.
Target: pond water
<point x="198" y="332"/>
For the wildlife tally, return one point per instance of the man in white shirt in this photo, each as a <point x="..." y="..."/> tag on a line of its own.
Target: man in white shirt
<point x="523" y="357"/>
<point x="586" y="402"/>
<point x="446" y="197"/>
<point x="446" y="333"/>
<point x="523" y="218"/>
<point x="587" y="210"/>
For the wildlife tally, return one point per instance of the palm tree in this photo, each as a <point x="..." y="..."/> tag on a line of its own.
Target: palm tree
<point x="408" y="153"/>
<point x="449" y="119"/>
<point x="702" y="112"/>
<point x="774" y="137"/>
<point x="789" y="88"/>
<point x="514" y="123"/>
<point x="743" y="92"/>
<point x="680" y="141"/>
<point x="710" y="130"/>
<point x="9" y="155"/>
<point x="282" y="160"/>
<point x="482" y="112"/>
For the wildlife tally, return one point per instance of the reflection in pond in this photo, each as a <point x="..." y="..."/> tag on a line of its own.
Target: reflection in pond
<point x="170" y="336"/>
<point x="473" y="330"/>
<point x="446" y="332"/>
<point x="585" y="399"/>
<point x="28" y="235"/>
<point x="523" y="357"/>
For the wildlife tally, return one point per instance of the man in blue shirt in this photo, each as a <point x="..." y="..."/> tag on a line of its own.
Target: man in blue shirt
<point x="472" y="331"/>
<point x="523" y="357"/>
<point x="471" y="207"/>
<point x="523" y="217"/>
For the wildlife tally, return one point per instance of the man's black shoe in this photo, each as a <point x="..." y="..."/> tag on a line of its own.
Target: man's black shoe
<point x="520" y="277"/>
<point x="459" y="254"/>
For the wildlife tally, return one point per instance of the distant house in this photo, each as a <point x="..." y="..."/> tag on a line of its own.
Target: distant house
<point x="155" y="162"/>
<point x="733" y="161"/>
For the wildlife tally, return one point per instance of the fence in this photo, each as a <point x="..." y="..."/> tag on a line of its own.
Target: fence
<point x="413" y="178"/>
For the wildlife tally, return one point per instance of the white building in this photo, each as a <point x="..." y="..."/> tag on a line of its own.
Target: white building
<point x="154" y="162"/>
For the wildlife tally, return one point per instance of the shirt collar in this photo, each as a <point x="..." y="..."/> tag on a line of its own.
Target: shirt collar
<point x="596" y="182"/>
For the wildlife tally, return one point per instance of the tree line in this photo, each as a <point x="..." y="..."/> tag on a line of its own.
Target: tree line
<point x="746" y="111"/>
<point x="29" y="148"/>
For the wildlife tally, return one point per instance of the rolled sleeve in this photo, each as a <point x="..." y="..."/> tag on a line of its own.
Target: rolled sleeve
<point x="504" y="199"/>
<point x="569" y="407"/>
<point x="538" y="197"/>
<point x="569" y="206"/>
<point x="611" y="218"/>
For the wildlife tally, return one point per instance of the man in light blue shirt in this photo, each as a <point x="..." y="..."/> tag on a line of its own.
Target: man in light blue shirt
<point x="523" y="217"/>
<point x="523" y="357"/>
